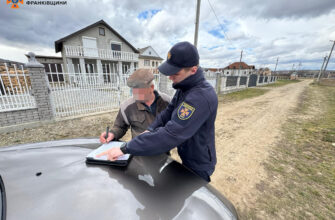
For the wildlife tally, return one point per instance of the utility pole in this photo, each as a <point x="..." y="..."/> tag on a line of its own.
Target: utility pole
<point x="329" y="57"/>
<point x="239" y="70"/>
<point x="197" y="23"/>
<point x="276" y="64"/>
<point x="299" y="68"/>
<point x="324" y="61"/>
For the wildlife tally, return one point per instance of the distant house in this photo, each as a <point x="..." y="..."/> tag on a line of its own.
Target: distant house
<point x="264" y="71"/>
<point x="213" y="69"/>
<point x="50" y="62"/>
<point x="96" y="48"/>
<point x="53" y="66"/>
<point x="148" y="58"/>
<point x="238" y="69"/>
<point x="10" y="62"/>
<point x="294" y="76"/>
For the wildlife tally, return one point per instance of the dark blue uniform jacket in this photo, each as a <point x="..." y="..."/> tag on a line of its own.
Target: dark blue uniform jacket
<point x="187" y="123"/>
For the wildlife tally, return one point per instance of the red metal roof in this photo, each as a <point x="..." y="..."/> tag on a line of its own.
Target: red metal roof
<point x="239" y="65"/>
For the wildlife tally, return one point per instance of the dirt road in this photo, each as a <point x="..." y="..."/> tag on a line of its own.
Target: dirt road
<point x="245" y="132"/>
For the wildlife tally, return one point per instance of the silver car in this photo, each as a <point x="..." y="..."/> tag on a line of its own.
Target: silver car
<point x="50" y="180"/>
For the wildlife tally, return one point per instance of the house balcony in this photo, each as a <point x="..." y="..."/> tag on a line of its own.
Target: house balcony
<point x="94" y="53"/>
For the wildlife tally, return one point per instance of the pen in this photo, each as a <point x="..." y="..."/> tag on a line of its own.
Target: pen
<point x="107" y="130"/>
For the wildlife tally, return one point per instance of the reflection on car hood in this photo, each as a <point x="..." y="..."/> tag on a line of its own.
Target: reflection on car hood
<point x="51" y="180"/>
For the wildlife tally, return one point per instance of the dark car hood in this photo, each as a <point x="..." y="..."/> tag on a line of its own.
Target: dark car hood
<point x="51" y="180"/>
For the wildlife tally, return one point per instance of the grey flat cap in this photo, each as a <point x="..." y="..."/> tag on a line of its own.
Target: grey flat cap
<point x="141" y="78"/>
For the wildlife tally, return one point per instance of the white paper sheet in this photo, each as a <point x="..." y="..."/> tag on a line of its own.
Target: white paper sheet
<point x="105" y="147"/>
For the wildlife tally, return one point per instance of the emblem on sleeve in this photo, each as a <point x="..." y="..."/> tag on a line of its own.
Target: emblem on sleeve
<point x="185" y="111"/>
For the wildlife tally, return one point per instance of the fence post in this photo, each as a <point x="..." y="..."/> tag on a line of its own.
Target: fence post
<point x="223" y="83"/>
<point x="238" y="82"/>
<point x="218" y="82"/>
<point x="257" y="82"/>
<point x="40" y="88"/>
<point x="248" y="78"/>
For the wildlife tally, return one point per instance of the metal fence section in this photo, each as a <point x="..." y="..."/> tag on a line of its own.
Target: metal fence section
<point x="15" y="88"/>
<point x="260" y="80"/>
<point x="79" y="93"/>
<point x="76" y="93"/>
<point x="231" y="81"/>
<point x="252" y="80"/>
<point x="243" y="80"/>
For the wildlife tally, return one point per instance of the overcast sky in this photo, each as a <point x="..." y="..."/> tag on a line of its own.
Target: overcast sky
<point x="293" y="30"/>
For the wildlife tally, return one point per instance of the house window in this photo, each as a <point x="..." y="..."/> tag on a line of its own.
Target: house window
<point x="54" y="71"/>
<point x="89" y="67"/>
<point x="116" y="46"/>
<point x="153" y="63"/>
<point x="157" y="64"/>
<point x="149" y="52"/>
<point x="102" y="31"/>
<point x="146" y="62"/>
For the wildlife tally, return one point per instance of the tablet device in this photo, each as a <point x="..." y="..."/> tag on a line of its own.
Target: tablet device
<point x="121" y="161"/>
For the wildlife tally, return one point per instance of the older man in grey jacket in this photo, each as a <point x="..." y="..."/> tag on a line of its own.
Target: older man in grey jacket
<point x="139" y="111"/>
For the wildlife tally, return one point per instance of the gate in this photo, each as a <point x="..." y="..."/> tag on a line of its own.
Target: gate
<point x="80" y="93"/>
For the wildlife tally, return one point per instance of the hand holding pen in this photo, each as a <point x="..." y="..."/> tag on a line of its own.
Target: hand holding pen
<point x="107" y="136"/>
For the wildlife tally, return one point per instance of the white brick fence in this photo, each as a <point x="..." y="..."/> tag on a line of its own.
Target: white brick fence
<point x="227" y="84"/>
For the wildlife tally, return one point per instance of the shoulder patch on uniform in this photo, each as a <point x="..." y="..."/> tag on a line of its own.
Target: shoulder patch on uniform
<point x="185" y="111"/>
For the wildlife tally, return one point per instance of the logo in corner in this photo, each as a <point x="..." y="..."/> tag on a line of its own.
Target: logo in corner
<point x="185" y="111"/>
<point x="15" y="3"/>
<point x="169" y="55"/>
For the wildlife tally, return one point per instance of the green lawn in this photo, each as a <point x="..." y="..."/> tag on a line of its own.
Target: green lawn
<point x="243" y="94"/>
<point x="281" y="82"/>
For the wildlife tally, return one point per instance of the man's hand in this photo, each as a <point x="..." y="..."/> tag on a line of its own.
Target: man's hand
<point x="109" y="138"/>
<point x="112" y="154"/>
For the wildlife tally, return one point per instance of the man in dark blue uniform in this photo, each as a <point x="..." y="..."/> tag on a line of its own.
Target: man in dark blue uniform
<point x="188" y="121"/>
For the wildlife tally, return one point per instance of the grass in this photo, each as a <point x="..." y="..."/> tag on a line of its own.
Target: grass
<point x="301" y="169"/>
<point x="281" y="82"/>
<point x="243" y="94"/>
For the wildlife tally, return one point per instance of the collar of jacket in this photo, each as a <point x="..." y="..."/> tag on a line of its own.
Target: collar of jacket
<point x="141" y="105"/>
<point x="190" y="81"/>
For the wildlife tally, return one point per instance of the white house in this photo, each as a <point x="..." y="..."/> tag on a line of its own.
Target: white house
<point x="239" y="69"/>
<point x="97" y="48"/>
<point x="149" y="58"/>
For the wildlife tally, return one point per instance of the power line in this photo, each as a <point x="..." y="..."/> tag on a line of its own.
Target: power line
<point x="226" y="35"/>
<point x="221" y="26"/>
